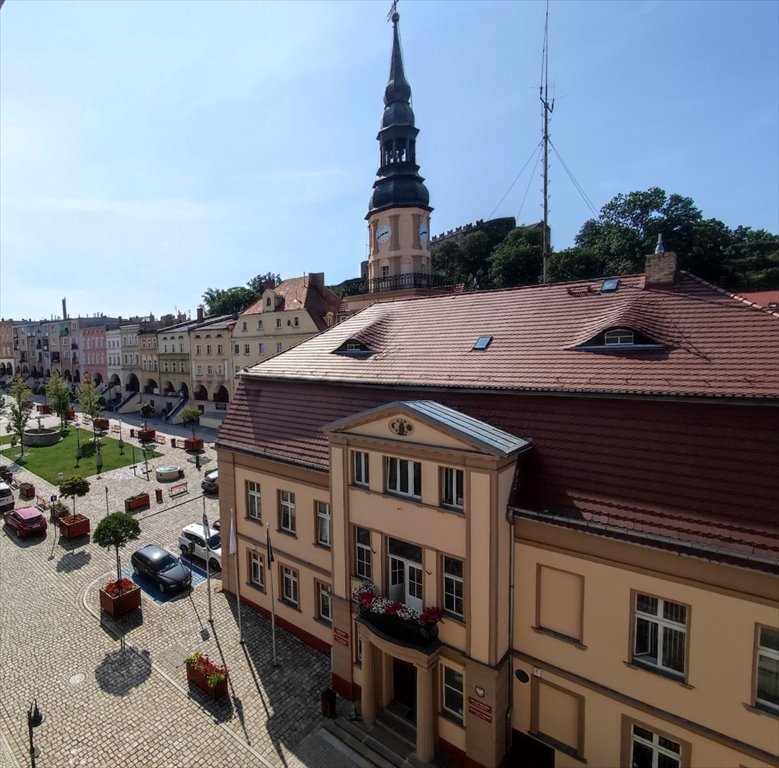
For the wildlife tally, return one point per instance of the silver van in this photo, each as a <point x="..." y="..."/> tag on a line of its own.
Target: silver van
<point x="6" y="498"/>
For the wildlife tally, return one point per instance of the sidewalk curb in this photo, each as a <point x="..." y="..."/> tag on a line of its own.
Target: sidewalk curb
<point x="84" y="594"/>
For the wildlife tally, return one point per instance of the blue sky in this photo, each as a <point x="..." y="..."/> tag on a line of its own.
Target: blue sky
<point x="152" y="150"/>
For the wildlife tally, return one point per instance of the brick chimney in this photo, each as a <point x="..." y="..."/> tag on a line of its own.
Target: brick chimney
<point x="316" y="279"/>
<point x="200" y="314"/>
<point x="660" y="269"/>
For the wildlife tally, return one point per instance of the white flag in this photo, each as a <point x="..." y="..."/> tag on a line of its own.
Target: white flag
<point x="233" y="538"/>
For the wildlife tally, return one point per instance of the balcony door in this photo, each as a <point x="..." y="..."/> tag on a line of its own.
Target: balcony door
<point x="405" y="573"/>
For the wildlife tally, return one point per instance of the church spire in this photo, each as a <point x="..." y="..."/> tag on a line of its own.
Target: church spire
<point x="398" y="183"/>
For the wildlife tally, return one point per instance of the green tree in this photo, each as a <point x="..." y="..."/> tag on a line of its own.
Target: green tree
<point x="73" y="486"/>
<point x="228" y="302"/>
<point x="147" y="410"/>
<point x="116" y="530"/>
<point x="58" y="392"/>
<point x="518" y="259"/>
<point x="19" y="408"/>
<point x="89" y="399"/>
<point x="257" y="284"/>
<point x="190" y="415"/>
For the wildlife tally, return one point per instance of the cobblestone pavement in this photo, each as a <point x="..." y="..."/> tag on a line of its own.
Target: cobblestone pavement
<point x="116" y="694"/>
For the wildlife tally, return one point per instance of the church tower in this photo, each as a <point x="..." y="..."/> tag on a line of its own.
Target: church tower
<point x="399" y="211"/>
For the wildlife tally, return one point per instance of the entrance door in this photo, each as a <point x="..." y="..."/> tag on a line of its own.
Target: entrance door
<point x="405" y="582"/>
<point x="404" y="681"/>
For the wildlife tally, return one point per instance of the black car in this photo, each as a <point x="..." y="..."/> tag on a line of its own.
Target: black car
<point x="160" y="566"/>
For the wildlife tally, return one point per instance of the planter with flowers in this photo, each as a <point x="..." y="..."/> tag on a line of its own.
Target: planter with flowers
<point x="73" y="525"/>
<point x="396" y="620"/>
<point x="206" y="674"/>
<point x="138" y="501"/>
<point x="120" y="596"/>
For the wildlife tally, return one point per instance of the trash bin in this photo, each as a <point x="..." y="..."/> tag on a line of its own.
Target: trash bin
<point x="158" y="495"/>
<point x="328" y="702"/>
<point x="172" y="442"/>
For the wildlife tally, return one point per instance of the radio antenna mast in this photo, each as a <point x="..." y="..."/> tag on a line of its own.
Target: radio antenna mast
<point x="548" y="108"/>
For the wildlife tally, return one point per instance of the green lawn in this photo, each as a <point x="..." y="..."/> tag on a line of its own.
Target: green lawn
<point x="48" y="462"/>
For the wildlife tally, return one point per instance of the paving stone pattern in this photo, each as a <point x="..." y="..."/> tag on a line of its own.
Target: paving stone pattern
<point x="115" y="693"/>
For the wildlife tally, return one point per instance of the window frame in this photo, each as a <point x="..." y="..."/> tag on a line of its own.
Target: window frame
<point x="449" y="477"/>
<point x="644" y="661"/>
<point x="319" y="506"/>
<point x="763" y="705"/>
<point x="254" y="501"/>
<point x="454" y="579"/>
<point x="450" y="714"/>
<point x="411" y="477"/>
<point x="361" y="468"/>
<point x="367" y="550"/>
<point x="619" y="337"/>
<point x="628" y="723"/>
<point x="323" y="589"/>
<point x="287" y="507"/>
<point x="257" y="563"/>
<point x="290" y="576"/>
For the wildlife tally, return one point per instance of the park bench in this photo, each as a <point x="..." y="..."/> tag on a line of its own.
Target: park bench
<point x="41" y="503"/>
<point x="116" y="429"/>
<point x="178" y="489"/>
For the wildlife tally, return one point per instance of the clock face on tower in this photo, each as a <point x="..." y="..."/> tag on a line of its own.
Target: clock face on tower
<point x="383" y="233"/>
<point x="424" y="232"/>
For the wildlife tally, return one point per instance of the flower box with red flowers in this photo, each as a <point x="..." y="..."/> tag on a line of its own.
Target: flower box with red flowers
<point x="72" y="526"/>
<point x="120" y="597"/>
<point x="206" y="674"/>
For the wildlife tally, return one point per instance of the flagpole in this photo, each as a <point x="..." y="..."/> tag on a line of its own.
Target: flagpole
<point x="272" y="597"/>
<point x="234" y="553"/>
<point x="206" y="532"/>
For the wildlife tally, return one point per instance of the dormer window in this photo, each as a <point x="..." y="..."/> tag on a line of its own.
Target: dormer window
<point x="618" y="336"/>
<point x="267" y="301"/>
<point x="354" y="348"/>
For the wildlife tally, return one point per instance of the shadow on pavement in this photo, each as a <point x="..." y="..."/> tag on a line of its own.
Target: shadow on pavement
<point x="72" y="561"/>
<point x="122" y="670"/>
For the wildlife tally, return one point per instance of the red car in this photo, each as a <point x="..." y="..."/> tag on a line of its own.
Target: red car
<point x="26" y="521"/>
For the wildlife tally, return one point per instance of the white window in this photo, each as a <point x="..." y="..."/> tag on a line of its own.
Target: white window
<point x="324" y="608"/>
<point x="208" y="349"/>
<point x="385" y="271"/>
<point x="452" y="693"/>
<point x="404" y="477"/>
<point x="278" y="346"/>
<point x="767" y="694"/>
<point x="261" y="349"/>
<point x="452" y="488"/>
<point x="278" y="322"/>
<point x="209" y="369"/>
<point x="289" y="585"/>
<point x="651" y="750"/>
<point x="237" y="349"/>
<point x="363" y="560"/>
<point x="199" y="369"/>
<point x="618" y="336"/>
<point x="259" y="325"/>
<point x="257" y="571"/>
<point x="322" y="523"/>
<point x="246" y="349"/>
<point x="453" y="587"/>
<point x="360" y="468"/>
<point x="218" y="349"/>
<point x="197" y="349"/>
<point x="659" y="634"/>
<point x="243" y="326"/>
<point x="253" y="500"/>
<point x="287" y="511"/>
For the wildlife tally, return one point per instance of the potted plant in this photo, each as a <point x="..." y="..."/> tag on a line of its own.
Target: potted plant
<point x="137" y="501"/>
<point x="58" y="510"/>
<point x="191" y="415"/>
<point x="26" y="490"/>
<point x="206" y="674"/>
<point x="115" y="530"/>
<point x="74" y="525"/>
<point x="101" y="423"/>
<point x="146" y="434"/>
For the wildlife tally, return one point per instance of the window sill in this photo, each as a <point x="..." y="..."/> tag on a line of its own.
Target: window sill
<point x="257" y="520"/>
<point x="284" y="532"/>
<point x="453" y="617"/>
<point x="452" y="508"/>
<point x="324" y="622"/>
<point x="290" y="604"/>
<point x="453" y="719"/>
<point x="762" y="709"/>
<point x="558" y="745"/>
<point x="254" y="585"/>
<point x="325" y="547"/>
<point x="660" y="673"/>
<point x="558" y="636"/>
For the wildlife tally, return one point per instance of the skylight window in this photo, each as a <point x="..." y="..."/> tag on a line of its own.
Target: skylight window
<point x="610" y="285"/>
<point x="482" y="342"/>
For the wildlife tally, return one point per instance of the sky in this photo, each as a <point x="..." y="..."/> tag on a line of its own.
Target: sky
<point x="152" y="150"/>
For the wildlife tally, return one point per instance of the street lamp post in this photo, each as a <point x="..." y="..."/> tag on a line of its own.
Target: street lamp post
<point x="106" y="500"/>
<point x="34" y="719"/>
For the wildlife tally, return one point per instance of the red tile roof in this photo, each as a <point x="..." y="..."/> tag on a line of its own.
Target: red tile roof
<point x="676" y="445"/>
<point x="302" y="293"/>
<point x="713" y="344"/>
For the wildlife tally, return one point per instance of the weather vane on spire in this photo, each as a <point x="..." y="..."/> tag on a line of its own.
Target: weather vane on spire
<point x="393" y="12"/>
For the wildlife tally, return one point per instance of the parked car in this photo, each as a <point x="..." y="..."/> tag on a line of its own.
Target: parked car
<point x="157" y="564"/>
<point x="210" y="482"/>
<point x="6" y="498"/>
<point x="193" y="544"/>
<point x="26" y="521"/>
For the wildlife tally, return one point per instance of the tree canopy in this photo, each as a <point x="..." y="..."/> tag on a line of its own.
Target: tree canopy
<point x="233" y="301"/>
<point x="58" y="393"/>
<point x="19" y="407"/>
